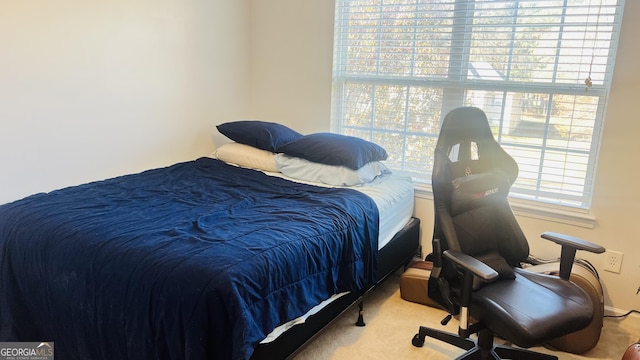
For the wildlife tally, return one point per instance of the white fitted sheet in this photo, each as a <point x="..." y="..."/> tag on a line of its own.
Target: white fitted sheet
<point x="394" y="197"/>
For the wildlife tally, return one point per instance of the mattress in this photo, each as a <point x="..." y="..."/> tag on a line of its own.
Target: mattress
<point x="394" y="197"/>
<point x="392" y="193"/>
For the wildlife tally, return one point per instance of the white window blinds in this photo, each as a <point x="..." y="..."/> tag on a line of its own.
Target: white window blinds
<point x="541" y="70"/>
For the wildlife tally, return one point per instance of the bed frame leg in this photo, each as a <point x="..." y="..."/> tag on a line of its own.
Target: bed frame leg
<point x="360" y="321"/>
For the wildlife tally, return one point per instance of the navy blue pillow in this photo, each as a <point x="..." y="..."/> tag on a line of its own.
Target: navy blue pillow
<point x="334" y="149"/>
<point x="260" y="134"/>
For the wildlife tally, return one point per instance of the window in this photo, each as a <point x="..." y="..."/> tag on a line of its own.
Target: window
<point x="541" y="70"/>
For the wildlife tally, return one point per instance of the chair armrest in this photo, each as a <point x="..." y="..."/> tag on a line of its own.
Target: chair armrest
<point x="475" y="266"/>
<point x="568" y="253"/>
<point x="573" y="241"/>
<point x="471" y="267"/>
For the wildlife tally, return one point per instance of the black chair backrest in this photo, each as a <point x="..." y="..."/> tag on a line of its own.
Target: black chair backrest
<point x="471" y="179"/>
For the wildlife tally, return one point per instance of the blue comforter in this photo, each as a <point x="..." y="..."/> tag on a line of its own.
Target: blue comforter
<point x="199" y="260"/>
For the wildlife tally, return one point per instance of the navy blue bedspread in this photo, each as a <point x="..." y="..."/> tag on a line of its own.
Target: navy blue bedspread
<point x="199" y="260"/>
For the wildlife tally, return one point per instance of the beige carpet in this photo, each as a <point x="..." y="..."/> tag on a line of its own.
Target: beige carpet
<point x="392" y="322"/>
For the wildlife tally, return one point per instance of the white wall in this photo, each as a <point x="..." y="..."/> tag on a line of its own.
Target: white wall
<point x="94" y="89"/>
<point x="291" y="44"/>
<point x="292" y="55"/>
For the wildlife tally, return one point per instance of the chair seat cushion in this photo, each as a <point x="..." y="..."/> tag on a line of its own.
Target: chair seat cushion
<point x="529" y="308"/>
<point x="586" y="277"/>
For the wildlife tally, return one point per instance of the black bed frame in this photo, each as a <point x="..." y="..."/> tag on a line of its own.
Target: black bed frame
<point x="396" y="254"/>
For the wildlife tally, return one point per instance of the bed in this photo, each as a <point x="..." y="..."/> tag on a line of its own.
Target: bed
<point x="200" y="259"/>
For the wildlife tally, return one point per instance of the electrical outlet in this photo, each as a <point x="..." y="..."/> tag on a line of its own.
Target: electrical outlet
<point x="613" y="261"/>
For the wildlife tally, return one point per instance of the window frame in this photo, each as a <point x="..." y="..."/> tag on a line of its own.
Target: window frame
<point x="454" y="91"/>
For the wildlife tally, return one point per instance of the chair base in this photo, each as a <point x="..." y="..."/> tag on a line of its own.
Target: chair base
<point x="483" y="348"/>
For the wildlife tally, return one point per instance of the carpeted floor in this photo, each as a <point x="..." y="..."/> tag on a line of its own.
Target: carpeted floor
<point x="392" y="322"/>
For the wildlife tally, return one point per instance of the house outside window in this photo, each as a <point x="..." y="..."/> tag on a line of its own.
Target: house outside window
<point x="541" y="70"/>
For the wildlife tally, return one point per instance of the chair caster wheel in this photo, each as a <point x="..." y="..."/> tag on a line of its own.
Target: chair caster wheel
<point x="417" y="341"/>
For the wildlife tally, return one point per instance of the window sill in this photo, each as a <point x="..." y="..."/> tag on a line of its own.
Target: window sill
<point x="532" y="209"/>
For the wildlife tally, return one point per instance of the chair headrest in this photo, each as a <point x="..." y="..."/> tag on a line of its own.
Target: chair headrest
<point x="477" y="190"/>
<point x="464" y="123"/>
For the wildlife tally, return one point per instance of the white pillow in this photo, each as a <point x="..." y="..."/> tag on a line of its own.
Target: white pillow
<point x="336" y="175"/>
<point x="247" y="156"/>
